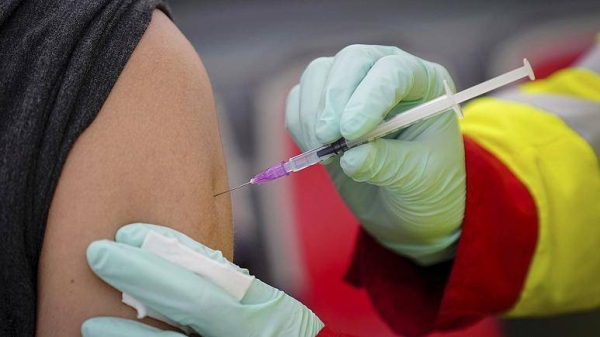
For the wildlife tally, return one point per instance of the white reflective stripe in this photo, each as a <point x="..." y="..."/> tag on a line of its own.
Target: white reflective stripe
<point x="591" y="60"/>
<point x="582" y="116"/>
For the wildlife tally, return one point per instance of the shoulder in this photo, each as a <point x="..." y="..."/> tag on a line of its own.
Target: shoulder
<point x="156" y="136"/>
<point x="153" y="154"/>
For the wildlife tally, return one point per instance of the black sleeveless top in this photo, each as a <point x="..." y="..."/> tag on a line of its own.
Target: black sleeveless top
<point x="58" y="63"/>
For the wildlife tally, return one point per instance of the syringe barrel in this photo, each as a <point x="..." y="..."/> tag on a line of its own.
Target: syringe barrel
<point x="303" y="160"/>
<point x="406" y="118"/>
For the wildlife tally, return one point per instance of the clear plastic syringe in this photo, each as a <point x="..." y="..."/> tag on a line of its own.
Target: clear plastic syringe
<point x="404" y="119"/>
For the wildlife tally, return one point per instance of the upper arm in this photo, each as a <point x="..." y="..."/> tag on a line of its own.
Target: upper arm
<point x="153" y="154"/>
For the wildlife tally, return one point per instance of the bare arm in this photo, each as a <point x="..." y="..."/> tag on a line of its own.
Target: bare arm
<point x="153" y="154"/>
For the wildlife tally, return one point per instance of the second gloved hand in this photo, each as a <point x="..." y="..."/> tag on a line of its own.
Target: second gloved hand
<point x="407" y="190"/>
<point x="187" y="298"/>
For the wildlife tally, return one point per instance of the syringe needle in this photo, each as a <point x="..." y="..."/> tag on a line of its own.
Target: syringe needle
<point x="233" y="189"/>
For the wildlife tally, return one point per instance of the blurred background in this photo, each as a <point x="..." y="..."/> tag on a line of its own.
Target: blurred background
<point x="295" y="233"/>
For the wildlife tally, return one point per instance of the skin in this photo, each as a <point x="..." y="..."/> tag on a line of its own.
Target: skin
<point x="153" y="154"/>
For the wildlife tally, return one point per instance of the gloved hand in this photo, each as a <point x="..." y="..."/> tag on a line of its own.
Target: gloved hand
<point x="188" y="298"/>
<point x="407" y="190"/>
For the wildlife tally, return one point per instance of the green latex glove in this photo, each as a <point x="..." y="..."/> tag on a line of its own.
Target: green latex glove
<point x="188" y="298"/>
<point x="407" y="190"/>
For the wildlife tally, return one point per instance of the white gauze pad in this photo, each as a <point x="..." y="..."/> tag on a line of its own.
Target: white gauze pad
<point x="224" y="275"/>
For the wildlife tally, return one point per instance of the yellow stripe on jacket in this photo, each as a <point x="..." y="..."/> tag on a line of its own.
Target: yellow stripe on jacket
<point x="562" y="173"/>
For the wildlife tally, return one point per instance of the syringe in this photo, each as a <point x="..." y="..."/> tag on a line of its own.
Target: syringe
<point x="426" y="110"/>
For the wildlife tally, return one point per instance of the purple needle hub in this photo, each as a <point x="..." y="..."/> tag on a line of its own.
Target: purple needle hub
<point x="272" y="173"/>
